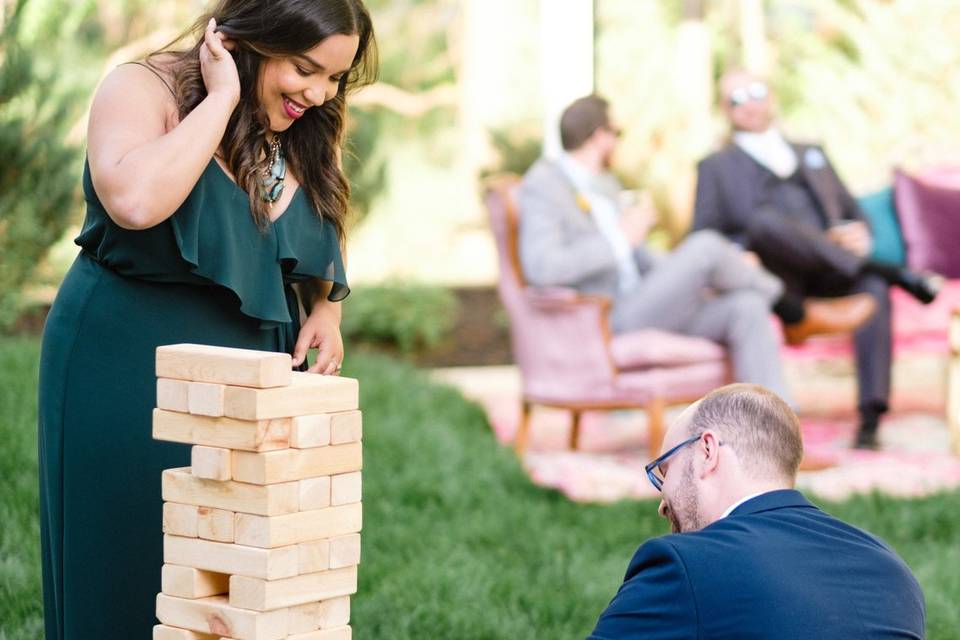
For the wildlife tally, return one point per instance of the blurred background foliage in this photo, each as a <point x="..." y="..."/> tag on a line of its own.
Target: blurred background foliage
<point x="459" y="97"/>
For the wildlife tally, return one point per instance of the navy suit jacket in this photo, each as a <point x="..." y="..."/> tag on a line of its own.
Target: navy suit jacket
<point x="730" y="189"/>
<point x="776" y="567"/>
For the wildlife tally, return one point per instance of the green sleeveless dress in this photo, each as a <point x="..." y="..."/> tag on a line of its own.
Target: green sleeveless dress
<point x="206" y="275"/>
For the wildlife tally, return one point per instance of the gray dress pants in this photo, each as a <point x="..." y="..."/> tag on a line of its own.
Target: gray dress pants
<point x="704" y="288"/>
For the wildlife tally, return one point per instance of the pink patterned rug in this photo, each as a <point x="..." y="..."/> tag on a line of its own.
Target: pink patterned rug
<point x="914" y="458"/>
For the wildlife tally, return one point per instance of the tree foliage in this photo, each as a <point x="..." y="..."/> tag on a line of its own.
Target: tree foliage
<point x="38" y="171"/>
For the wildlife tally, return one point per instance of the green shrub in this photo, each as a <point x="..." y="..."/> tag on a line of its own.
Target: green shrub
<point x="409" y="317"/>
<point x="38" y="172"/>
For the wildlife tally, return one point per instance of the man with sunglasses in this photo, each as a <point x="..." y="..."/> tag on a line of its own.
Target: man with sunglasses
<point x="750" y="557"/>
<point x="784" y="202"/>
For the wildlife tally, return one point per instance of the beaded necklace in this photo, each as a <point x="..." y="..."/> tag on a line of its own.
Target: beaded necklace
<point x="271" y="182"/>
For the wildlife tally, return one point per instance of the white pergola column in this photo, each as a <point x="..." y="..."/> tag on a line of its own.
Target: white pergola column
<point x="566" y="37"/>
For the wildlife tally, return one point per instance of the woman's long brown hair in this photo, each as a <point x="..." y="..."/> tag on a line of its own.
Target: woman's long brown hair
<point x="312" y="144"/>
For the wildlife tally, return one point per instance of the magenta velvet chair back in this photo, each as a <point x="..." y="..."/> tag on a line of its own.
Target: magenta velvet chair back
<point x="928" y="205"/>
<point x="562" y="355"/>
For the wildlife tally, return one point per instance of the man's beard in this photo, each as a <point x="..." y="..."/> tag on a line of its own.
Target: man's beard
<point x="683" y="511"/>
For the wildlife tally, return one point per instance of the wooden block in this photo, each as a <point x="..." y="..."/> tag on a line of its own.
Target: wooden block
<point x="346" y="427"/>
<point x="215" y="615"/>
<point x="313" y="556"/>
<point x="345" y="551"/>
<point x="314" y="493"/>
<point x="953" y="404"/>
<point x="223" y="365"/>
<point x="163" y="632"/>
<point x="188" y="582"/>
<point x="261" y="435"/>
<point x="205" y="399"/>
<point x="268" y="595"/>
<point x="345" y="488"/>
<point x="280" y="531"/>
<point x="215" y="524"/>
<point x="232" y="559"/>
<point x="311" y="431"/>
<point x="307" y="394"/>
<point x="179" y="485"/>
<point x="172" y="394"/>
<point x="212" y="463"/>
<point x="303" y="618"/>
<point x="339" y="633"/>
<point x="288" y="465"/>
<point x="180" y="519"/>
<point x="335" y="612"/>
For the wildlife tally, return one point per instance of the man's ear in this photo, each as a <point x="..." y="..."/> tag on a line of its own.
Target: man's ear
<point x="709" y="445"/>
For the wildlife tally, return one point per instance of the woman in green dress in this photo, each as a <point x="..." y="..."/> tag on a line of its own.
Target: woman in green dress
<point x="213" y="186"/>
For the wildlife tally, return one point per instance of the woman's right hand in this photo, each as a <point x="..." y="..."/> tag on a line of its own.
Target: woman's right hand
<point x="217" y="66"/>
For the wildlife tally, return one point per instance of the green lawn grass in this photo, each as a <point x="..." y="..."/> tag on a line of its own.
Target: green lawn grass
<point x="457" y="543"/>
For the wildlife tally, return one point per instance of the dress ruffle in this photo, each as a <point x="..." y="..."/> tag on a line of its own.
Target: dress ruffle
<point x="215" y="235"/>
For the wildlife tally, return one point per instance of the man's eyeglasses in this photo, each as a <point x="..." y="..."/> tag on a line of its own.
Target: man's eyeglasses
<point x="655" y="473"/>
<point x="755" y="91"/>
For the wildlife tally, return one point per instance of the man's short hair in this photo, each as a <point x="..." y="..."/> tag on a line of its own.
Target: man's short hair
<point x="581" y="119"/>
<point x="758" y="424"/>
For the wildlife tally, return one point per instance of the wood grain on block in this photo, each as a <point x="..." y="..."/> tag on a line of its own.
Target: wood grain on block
<point x="310" y="431"/>
<point x="308" y="393"/>
<point x="313" y="556"/>
<point x="345" y="488"/>
<point x="339" y="633"/>
<point x="287" y="465"/>
<point x="163" y="632"/>
<point x="212" y="463"/>
<point x="303" y="618"/>
<point x="179" y="485"/>
<point x="314" y="493"/>
<point x="345" y="551"/>
<point x="180" y="519"/>
<point x="205" y="398"/>
<point x="232" y="559"/>
<point x="215" y="524"/>
<point x="172" y="394"/>
<point x="268" y="595"/>
<point x="280" y="531"/>
<point x="223" y="365"/>
<point x="346" y="427"/>
<point x="190" y="582"/>
<point x="953" y="405"/>
<point x="215" y="615"/>
<point x="260" y="435"/>
<point x="335" y="612"/>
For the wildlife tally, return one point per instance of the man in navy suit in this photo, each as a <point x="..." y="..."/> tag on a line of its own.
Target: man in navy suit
<point x="751" y="557"/>
<point x="785" y="202"/>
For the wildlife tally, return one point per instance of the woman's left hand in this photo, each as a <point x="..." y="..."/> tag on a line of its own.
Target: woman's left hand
<point x="321" y="330"/>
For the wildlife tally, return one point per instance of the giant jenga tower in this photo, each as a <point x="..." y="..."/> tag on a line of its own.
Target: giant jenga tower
<point x="261" y="532"/>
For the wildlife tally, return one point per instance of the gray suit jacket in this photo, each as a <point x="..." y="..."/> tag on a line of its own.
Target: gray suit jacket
<point x="560" y="243"/>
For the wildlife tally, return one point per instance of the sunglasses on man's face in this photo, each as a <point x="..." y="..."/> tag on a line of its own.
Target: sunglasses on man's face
<point x="755" y="92"/>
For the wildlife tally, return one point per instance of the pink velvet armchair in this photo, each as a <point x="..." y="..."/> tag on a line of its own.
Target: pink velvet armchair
<point x="568" y="357"/>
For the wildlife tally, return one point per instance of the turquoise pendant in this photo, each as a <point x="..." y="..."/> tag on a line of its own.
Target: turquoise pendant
<point x="271" y="185"/>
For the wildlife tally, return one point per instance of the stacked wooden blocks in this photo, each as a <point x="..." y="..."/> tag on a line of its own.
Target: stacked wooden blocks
<point x="261" y="532"/>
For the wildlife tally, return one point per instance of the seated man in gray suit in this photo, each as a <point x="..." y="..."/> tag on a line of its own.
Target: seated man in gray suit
<point x="574" y="233"/>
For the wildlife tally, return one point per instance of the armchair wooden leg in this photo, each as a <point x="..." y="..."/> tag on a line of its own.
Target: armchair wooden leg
<point x="575" y="429"/>
<point x="523" y="429"/>
<point x="655" y="411"/>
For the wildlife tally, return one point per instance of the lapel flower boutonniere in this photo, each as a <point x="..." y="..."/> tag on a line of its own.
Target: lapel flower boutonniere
<point x="582" y="202"/>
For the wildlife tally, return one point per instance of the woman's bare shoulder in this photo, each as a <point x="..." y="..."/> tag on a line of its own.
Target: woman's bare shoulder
<point x="146" y="85"/>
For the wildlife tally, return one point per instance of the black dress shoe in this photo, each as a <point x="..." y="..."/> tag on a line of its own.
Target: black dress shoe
<point x="866" y="439"/>
<point x="924" y="286"/>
